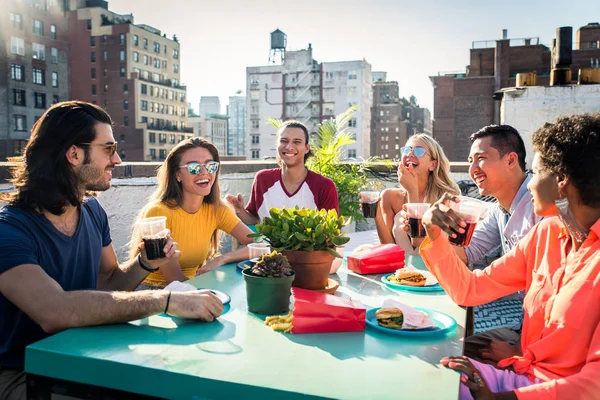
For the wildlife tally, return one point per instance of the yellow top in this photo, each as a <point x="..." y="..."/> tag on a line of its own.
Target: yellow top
<point x="192" y="232"/>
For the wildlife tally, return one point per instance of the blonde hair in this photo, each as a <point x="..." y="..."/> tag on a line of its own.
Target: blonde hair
<point x="439" y="180"/>
<point x="170" y="191"/>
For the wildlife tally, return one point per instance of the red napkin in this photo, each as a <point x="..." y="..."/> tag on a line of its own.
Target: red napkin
<point x="320" y="312"/>
<point x="377" y="260"/>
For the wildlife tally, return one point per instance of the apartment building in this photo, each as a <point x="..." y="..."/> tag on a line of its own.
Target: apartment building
<point x="236" y="139"/>
<point x="34" y="72"/>
<point x="209" y="105"/>
<point x="133" y="71"/>
<point x="303" y="89"/>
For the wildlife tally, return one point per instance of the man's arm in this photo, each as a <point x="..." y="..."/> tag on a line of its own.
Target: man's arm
<point x="237" y="202"/>
<point x="47" y="304"/>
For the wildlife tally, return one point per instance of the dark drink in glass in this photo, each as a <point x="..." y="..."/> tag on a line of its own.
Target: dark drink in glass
<point x="415" y="228"/>
<point x="370" y="209"/>
<point x="463" y="239"/>
<point x="154" y="247"/>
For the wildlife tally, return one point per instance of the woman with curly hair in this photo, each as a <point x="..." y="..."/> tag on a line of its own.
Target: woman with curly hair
<point x="188" y="195"/>
<point x="557" y="264"/>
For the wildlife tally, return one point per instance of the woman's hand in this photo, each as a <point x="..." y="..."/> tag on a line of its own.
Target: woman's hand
<point x="407" y="177"/>
<point x="210" y="265"/>
<point x="171" y="253"/>
<point x="471" y="376"/>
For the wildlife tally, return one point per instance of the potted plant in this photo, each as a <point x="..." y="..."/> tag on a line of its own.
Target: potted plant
<point x="308" y="239"/>
<point x="268" y="284"/>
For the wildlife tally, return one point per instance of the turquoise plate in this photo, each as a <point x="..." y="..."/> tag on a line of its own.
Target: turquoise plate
<point x="443" y="322"/>
<point x="393" y="285"/>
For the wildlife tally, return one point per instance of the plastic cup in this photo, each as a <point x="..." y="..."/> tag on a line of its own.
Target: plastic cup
<point x="257" y="250"/>
<point x="369" y="203"/>
<point x="154" y="235"/>
<point x="472" y="211"/>
<point x="415" y="213"/>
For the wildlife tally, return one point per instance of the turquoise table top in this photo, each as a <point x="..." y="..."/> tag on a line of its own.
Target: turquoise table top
<point x="238" y="355"/>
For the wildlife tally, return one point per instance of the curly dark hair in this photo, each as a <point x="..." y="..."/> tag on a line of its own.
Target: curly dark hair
<point x="505" y="139"/>
<point x="570" y="147"/>
<point x="43" y="178"/>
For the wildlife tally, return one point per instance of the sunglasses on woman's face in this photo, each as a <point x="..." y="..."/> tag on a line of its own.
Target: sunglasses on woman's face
<point x="194" y="168"/>
<point x="418" y="151"/>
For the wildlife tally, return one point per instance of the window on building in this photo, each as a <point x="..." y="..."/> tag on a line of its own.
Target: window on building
<point x="53" y="32"/>
<point x="351" y="153"/>
<point x="55" y="99"/>
<point x="17" y="46"/>
<point x="39" y="76"/>
<point x="122" y="38"/>
<point x="16" y="20"/>
<point x="39" y="51"/>
<point x="157" y="47"/>
<point x="125" y="104"/>
<point x="255" y="154"/>
<point x="122" y="154"/>
<point x="352" y="75"/>
<point x="93" y="56"/>
<point x="38" y="27"/>
<point x="352" y="91"/>
<point x="122" y="72"/>
<point x="17" y="72"/>
<point x="144" y="119"/>
<point x="176" y="54"/>
<point x="39" y="100"/>
<point x="122" y="55"/>
<point x="125" y="88"/>
<point x="93" y="90"/>
<point x="136" y="40"/>
<point x="19" y="97"/>
<point x="92" y="41"/>
<point x="104" y="39"/>
<point x="144" y="88"/>
<point x="105" y="88"/>
<point x="146" y="44"/>
<point x="162" y="138"/>
<point x="144" y="105"/>
<point x="162" y="154"/>
<point x="19" y="122"/>
<point x="153" y="154"/>
<point x="352" y="123"/>
<point x="105" y="72"/>
<point x="152" y="137"/>
<point x="176" y="68"/>
<point x="54" y="79"/>
<point x="136" y="56"/>
<point x="54" y="55"/>
<point x="105" y="55"/>
<point x="145" y="59"/>
<point x="93" y="73"/>
<point x="171" y="139"/>
<point x="125" y="123"/>
<point x="255" y="124"/>
<point x="328" y="108"/>
<point x="255" y="139"/>
<point x="89" y="24"/>
<point x="156" y="63"/>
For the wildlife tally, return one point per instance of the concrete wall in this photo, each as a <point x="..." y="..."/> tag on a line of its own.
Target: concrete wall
<point x="527" y="109"/>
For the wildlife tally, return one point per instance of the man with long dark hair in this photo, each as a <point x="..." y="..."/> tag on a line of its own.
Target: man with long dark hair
<point x="58" y="268"/>
<point x="290" y="185"/>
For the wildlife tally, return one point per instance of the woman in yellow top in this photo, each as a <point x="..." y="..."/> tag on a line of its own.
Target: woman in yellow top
<point x="188" y="195"/>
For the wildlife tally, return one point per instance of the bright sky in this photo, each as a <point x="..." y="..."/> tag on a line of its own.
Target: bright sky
<point x="410" y="40"/>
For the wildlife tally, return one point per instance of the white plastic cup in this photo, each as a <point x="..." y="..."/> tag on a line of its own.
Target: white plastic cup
<point x="472" y="211"/>
<point x="257" y="250"/>
<point x="369" y="203"/>
<point x="415" y="213"/>
<point x="154" y="235"/>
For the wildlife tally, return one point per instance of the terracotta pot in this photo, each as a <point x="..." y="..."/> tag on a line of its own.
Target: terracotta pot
<point x="268" y="295"/>
<point x="312" y="268"/>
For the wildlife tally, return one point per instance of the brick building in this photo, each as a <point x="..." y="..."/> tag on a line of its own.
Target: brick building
<point x="133" y="72"/>
<point x="33" y="67"/>
<point x="463" y="101"/>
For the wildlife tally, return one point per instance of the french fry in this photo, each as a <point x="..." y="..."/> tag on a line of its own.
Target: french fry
<point x="280" y="322"/>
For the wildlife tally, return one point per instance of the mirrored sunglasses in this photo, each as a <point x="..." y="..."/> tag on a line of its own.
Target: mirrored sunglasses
<point x="194" y="168"/>
<point x="418" y="151"/>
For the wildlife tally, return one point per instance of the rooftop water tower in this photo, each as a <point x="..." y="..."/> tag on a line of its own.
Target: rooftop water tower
<point x="278" y="44"/>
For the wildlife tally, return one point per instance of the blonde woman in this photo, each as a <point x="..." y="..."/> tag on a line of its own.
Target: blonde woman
<point x="424" y="176"/>
<point x="188" y="195"/>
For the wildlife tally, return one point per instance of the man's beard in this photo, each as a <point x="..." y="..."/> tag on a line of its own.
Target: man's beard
<point x="92" y="178"/>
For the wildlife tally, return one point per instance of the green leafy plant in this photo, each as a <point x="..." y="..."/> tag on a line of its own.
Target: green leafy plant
<point x="327" y="145"/>
<point x="274" y="265"/>
<point x="303" y="229"/>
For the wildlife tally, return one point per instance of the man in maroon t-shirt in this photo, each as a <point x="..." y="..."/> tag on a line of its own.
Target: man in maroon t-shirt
<point x="289" y="186"/>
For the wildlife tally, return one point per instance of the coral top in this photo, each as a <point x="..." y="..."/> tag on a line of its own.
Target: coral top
<point x="561" y="328"/>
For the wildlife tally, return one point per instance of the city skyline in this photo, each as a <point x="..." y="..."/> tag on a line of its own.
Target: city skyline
<point x="407" y="40"/>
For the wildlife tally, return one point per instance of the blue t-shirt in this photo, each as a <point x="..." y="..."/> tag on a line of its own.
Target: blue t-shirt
<point x="27" y="237"/>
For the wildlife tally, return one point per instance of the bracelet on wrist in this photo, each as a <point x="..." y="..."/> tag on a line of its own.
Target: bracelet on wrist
<point x="142" y="266"/>
<point x="168" y="301"/>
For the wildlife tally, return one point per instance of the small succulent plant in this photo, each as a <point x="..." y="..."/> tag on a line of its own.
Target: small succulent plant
<point x="274" y="265"/>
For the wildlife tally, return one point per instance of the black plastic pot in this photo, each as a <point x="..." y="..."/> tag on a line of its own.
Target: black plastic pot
<point x="268" y="295"/>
